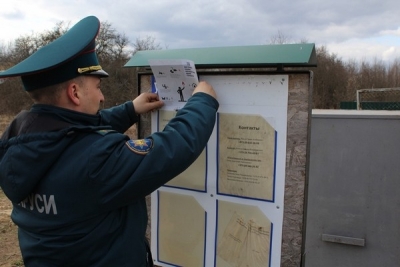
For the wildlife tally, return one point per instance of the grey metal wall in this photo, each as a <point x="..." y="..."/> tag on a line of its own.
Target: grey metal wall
<point x="353" y="198"/>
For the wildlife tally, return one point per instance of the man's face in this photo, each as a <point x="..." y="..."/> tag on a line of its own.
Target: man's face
<point x="91" y="95"/>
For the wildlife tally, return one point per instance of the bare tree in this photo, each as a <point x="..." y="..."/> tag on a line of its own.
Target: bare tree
<point x="5" y="56"/>
<point x="330" y="79"/>
<point x="279" y="38"/>
<point x="29" y="44"/>
<point x="394" y="73"/>
<point x="111" y="45"/>
<point x="47" y="37"/>
<point x="146" y="43"/>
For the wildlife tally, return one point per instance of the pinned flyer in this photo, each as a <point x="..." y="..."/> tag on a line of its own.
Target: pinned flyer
<point x="175" y="81"/>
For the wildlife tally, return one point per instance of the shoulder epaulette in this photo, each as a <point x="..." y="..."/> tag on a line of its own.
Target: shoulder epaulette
<point x="104" y="132"/>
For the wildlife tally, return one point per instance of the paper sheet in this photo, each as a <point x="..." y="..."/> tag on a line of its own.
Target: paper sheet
<point x="175" y="81"/>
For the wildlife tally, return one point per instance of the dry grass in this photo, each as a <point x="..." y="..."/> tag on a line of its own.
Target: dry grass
<point x="4" y="121"/>
<point x="10" y="255"/>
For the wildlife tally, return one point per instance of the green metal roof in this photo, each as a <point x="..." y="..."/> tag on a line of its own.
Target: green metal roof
<point x="286" y="55"/>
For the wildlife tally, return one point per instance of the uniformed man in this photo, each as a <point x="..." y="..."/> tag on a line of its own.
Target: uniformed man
<point x="77" y="183"/>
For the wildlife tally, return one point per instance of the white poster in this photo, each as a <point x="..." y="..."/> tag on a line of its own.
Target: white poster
<point x="243" y="200"/>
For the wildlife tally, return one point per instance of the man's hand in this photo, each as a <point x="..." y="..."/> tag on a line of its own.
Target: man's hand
<point x="205" y="88"/>
<point x="146" y="102"/>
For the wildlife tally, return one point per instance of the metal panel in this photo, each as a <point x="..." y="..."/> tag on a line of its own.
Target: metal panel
<point x="293" y="55"/>
<point x="353" y="202"/>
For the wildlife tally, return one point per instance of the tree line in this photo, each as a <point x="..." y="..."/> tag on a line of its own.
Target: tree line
<point x="335" y="80"/>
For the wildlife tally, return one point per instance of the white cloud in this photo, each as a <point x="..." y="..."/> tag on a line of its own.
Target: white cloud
<point x="363" y="50"/>
<point x="391" y="32"/>
<point x="352" y="29"/>
<point x="390" y="54"/>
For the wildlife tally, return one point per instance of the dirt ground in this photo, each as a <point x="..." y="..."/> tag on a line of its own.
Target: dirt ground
<point x="10" y="254"/>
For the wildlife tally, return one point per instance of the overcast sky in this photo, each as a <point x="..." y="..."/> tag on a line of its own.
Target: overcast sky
<point x="353" y="29"/>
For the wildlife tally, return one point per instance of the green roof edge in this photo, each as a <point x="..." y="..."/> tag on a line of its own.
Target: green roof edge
<point x="284" y="55"/>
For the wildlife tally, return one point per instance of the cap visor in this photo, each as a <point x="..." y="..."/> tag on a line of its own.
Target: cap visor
<point x="101" y="73"/>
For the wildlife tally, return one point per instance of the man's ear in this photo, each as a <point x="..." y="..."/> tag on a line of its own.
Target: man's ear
<point x="73" y="93"/>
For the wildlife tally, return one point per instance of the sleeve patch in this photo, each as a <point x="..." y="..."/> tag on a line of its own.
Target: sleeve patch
<point x="141" y="146"/>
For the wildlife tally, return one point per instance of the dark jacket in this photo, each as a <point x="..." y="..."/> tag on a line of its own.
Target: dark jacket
<point x="78" y="185"/>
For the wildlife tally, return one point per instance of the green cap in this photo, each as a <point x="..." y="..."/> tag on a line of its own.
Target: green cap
<point x="67" y="57"/>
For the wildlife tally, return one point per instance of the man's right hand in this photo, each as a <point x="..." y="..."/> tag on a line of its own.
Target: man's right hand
<point x="204" y="87"/>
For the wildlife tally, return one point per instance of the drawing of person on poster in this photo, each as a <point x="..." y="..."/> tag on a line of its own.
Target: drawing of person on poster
<point x="180" y="92"/>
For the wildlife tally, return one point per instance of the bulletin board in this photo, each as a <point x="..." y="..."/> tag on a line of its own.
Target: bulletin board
<point x="227" y="208"/>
